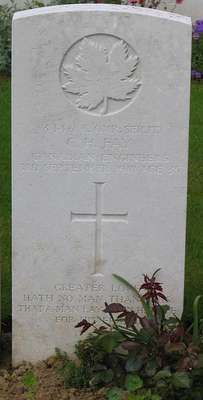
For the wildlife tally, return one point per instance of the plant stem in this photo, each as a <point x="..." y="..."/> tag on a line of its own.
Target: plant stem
<point x="196" y="338"/>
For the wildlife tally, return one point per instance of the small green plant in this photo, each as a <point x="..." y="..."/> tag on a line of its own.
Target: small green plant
<point x="144" y="357"/>
<point x="74" y="375"/>
<point x="30" y="382"/>
<point x="119" y="394"/>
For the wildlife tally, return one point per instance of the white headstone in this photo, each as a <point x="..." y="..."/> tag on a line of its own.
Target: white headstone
<point x="100" y="144"/>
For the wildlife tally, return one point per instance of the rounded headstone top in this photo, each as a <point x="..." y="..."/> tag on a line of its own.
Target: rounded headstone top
<point x="103" y="8"/>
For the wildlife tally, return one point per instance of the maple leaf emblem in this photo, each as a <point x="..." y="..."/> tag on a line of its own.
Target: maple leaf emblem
<point x="98" y="75"/>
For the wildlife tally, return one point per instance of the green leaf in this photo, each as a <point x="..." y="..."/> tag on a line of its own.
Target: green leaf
<point x="162" y="311"/>
<point x="134" y="363"/>
<point x="29" y="380"/>
<point x="133" y="382"/>
<point x="108" y="342"/>
<point x="146" y="395"/>
<point x="162" y="374"/>
<point x="118" y="336"/>
<point x="155" y="397"/>
<point x="151" y="368"/>
<point x="196" y="335"/>
<point x="132" y="396"/>
<point x="162" y="385"/>
<point x="145" y="304"/>
<point x="114" y="394"/>
<point x="95" y="380"/>
<point x="102" y="377"/>
<point x="107" y="376"/>
<point x="181" y="380"/>
<point x="172" y="321"/>
<point x="145" y="336"/>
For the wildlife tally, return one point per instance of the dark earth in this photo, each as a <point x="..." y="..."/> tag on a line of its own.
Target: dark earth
<point x="48" y="384"/>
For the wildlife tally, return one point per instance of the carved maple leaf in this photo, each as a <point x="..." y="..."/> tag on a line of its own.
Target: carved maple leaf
<point x="98" y="75"/>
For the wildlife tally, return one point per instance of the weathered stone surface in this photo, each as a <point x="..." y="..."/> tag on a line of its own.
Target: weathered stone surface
<point x="100" y="143"/>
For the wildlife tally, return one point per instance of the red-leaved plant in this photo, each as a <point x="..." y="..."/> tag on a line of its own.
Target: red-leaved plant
<point x="155" y="3"/>
<point x="158" y="348"/>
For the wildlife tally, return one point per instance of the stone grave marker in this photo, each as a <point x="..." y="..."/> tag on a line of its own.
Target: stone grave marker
<point x="100" y="147"/>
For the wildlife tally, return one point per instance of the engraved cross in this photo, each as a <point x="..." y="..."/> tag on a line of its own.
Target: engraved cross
<point x="98" y="218"/>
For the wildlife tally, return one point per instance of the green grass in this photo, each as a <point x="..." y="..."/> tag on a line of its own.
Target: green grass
<point x="5" y="196"/>
<point x="194" y="249"/>
<point x="194" y="246"/>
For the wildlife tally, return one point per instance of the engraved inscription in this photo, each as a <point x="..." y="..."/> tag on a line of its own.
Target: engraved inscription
<point x="68" y="303"/>
<point x="101" y="149"/>
<point x="98" y="74"/>
<point x="98" y="218"/>
<point x="71" y="302"/>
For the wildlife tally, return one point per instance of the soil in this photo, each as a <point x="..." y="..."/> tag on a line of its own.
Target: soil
<point x="49" y="384"/>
